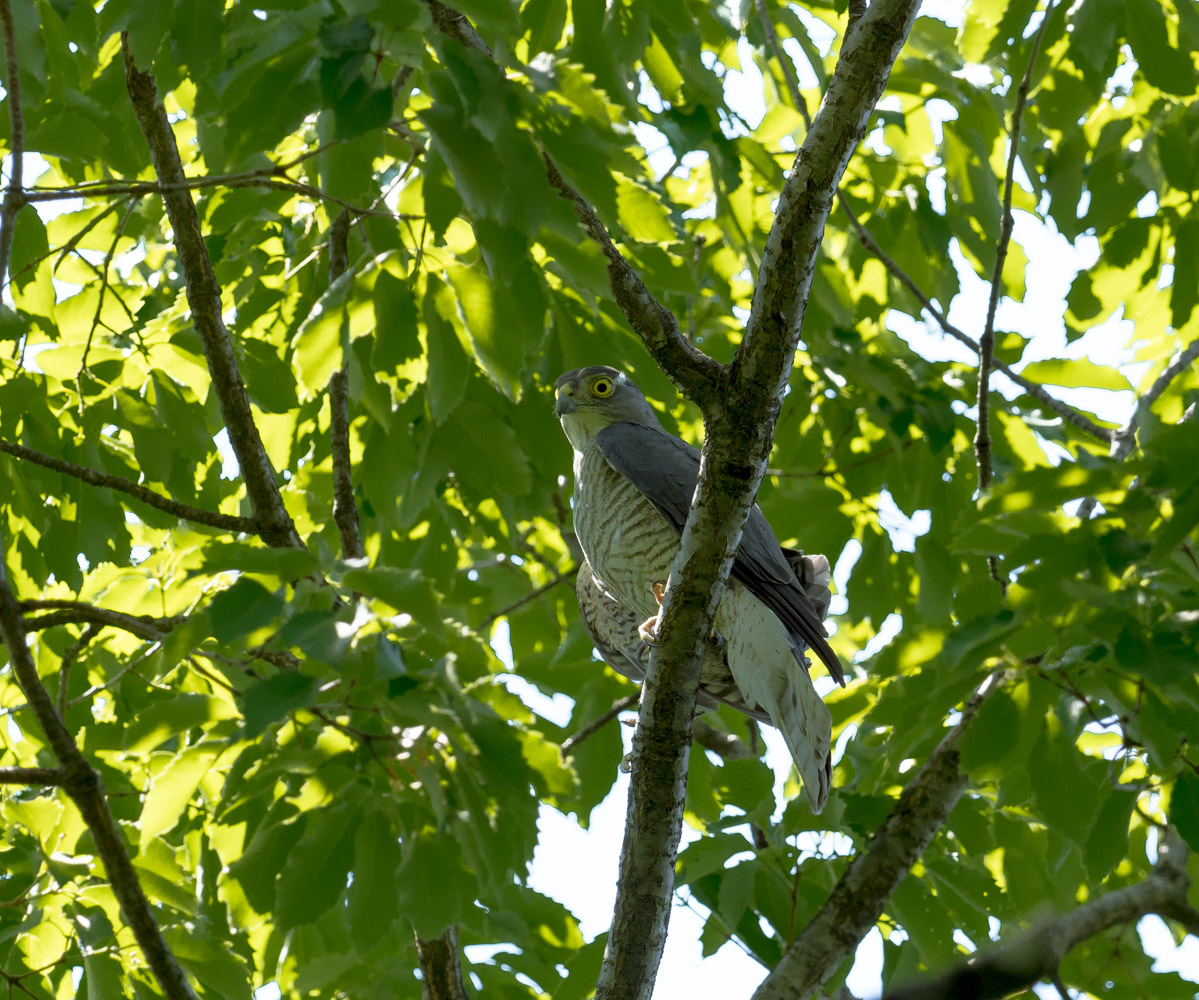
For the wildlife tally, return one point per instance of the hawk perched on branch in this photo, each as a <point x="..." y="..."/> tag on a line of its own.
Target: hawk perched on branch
<point x="633" y="488"/>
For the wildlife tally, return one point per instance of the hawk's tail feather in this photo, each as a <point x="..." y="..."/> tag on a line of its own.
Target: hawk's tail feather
<point x="769" y="675"/>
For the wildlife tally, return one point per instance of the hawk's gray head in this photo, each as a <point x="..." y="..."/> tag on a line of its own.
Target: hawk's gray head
<point x="589" y="399"/>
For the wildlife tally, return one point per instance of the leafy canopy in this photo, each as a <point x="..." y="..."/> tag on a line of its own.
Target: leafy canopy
<point x="305" y="779"/>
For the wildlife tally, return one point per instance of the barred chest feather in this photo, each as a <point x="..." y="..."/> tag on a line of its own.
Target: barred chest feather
<point x="627" y="541"/>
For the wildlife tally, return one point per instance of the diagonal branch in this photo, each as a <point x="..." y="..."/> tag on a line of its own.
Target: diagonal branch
<point x="693" y="372"/>
<point x="204" y="299"/>
<point x="14" y="197"/>
<point x="858" y="898"/>
<point x="986" y="343"/>
<point x="1034" y="389"/>
<point x="1181" y="363"/>
<point x="226" y="522"/>
<point x="1038" y="953"/>
<point x="104" y="269"/>
<point x="591" y="728"/>
<point x="1125" y="437"/>
<point x="83" y="785"/>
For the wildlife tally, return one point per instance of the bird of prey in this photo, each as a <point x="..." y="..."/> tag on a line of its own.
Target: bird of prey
<point x="633" y="488"/>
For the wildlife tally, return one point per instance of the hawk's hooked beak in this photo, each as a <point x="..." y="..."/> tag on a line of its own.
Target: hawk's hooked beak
<point x="564" y="403"/>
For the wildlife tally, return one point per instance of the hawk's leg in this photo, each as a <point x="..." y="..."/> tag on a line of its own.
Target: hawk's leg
<point x="648" y="629"/>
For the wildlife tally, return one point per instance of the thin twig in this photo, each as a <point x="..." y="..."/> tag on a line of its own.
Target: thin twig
<point x="226" y="522"/>
<point x="104" y="268"/>
<point x="772" y="39"/>
<point x="139" y="189"/>
<point x="1125" y="437"/>
<point x="986" y="343"/>
<point x="593" y="727"/>
<point x="695" y="373"/>
<point x="72" y="243"/>
<point x="530" y="596"/>
<point x="68" y="660"/>
<point x="14" y="197"/>
<point x="32" y="776"/>
<point x="1034" y="389"/>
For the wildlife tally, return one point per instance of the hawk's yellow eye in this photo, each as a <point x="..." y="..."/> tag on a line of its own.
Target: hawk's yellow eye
<point x="602" y="387"/>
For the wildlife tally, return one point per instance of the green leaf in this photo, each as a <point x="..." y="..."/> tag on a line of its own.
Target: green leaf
<point x="270" y="700"/>
<point x="1184" y="808"/>
<point x="283" y="564"/>
<point x="245" y="607"/>
<point x="434" y="889"/>
<point x="1075" y="373"/>
<point x="1162" y="64"/>
<point x="315" y="874"/>
<point x="372" y="897"/>
<point x="406" y="590"/>
<point x="642" y="214"/>
<point x="1064" y="785"/>
<point x="173" y="788"/>
<point x="1108" y="839"/>
<point x="211" y="962"/>
<point x="161" y="720"/>
<point x="449" y="366"/>
<point x="497" y="461"/>
<point x="29" y="244"/>
<point x="1181" y="523"/>
<point x="102" y="977"/>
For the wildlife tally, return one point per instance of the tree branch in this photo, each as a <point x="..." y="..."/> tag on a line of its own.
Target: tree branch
<point x="86" y="790"/>
<point x="1037" y="954"/>
<point x="345" y="512"/>
<point x="858" y="898"/>
<point x="623" y="705"/>
<point x="1181" y="363"/>
<point x="1034" y="389"/>
<point x="225" y="522"/>
<point x="68" y="612"/>
<point x="986" y="343"/>
<point x="739" y="424"/>
<point x="204" y="299"/>
<point x="14" y="196"/>
<point x="722" y="744"/>
<point x="32" y="776"/>
<point x="696" y="374"/>
<point x="441" y="967"/>
<point x="531" y="596"/>
<point x="1124" y="438"/>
